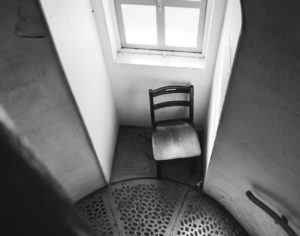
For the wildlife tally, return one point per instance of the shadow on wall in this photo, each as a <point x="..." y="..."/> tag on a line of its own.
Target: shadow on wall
<point x="36" y="95"/>
<point x="29" y="23"/>
<point x="30" y="197"/>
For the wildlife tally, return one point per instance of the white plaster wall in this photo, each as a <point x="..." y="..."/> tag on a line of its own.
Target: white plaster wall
<point x="35" y="94"/>
<point x="130" y="83"/>
<point x="76" y="39"/>
<point x="257" y="147"/>
<point x="226" y="53"/>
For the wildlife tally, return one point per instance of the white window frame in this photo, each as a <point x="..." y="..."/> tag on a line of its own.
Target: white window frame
<point x="160" y="14"/>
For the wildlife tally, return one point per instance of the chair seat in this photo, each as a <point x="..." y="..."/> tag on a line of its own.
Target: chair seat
<point x="175" y="141"/>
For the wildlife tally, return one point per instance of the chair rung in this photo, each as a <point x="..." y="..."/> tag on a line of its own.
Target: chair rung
<point x="170" y="89"/>
<point x="171" y="104"/>
<point x="160" y="122"/>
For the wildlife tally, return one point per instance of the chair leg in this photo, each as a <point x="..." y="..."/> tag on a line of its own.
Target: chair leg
<point x="194" y="165"/>
<point x="158" y="169"/>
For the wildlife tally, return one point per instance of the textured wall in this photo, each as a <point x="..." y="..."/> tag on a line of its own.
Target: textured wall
<point x="76" y="39"/>
<point x="258" y="143"/>
<point x="35" y="94"/>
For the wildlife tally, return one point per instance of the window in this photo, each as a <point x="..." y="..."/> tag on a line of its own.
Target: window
<point x="169" y="25"/>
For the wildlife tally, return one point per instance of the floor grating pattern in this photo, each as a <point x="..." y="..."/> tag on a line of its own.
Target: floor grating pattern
<point x="201" y="215"/>
<point x="154" y="207"/>
<point x="95" y="208"/>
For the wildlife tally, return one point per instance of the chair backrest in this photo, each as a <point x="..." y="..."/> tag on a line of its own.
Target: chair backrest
<point x="189" y="90"/>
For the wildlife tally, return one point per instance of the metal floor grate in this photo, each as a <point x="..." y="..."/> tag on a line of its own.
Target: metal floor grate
<point x="155" y="207"/>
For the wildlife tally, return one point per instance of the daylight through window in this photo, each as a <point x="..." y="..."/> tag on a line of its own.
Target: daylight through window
<point x="170" y="25"/>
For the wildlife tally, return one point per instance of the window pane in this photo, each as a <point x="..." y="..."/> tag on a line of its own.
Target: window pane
<point x="181" y="26"/>
<point x="139" y="24"/>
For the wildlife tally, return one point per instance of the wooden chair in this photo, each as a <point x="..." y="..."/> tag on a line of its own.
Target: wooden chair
<point x="173" y="138"/>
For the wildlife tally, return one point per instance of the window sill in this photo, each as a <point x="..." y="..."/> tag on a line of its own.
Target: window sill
<point x="159" y="58"/>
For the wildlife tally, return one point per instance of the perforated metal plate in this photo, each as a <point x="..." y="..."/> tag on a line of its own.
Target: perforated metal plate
<point x="147" y="207"/>
<point x="158" y="208"/>
<point x="95" y="208"/>
<point x="201" y="215"/>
